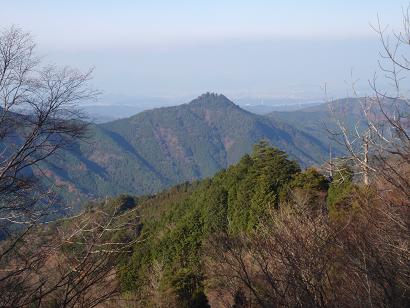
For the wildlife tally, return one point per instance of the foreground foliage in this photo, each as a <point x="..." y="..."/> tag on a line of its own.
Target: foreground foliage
<point x="263" y="233"/>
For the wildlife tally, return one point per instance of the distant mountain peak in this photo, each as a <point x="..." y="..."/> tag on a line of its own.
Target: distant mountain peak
<point x="213" y="99"/>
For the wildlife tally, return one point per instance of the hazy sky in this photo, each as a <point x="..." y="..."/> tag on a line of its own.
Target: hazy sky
<point x="182" y="48"/>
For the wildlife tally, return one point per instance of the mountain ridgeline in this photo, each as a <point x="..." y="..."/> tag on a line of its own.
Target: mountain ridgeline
<point x="159" y="148"/>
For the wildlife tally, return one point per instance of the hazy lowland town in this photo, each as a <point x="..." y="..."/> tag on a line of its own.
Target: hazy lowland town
<point x="244" y="154"/>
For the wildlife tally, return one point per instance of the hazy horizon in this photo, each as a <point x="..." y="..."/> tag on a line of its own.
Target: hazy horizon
<point x="182" y="49"/>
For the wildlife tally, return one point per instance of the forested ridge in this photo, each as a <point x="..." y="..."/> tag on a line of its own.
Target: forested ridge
<point x="264" y="233"/>
<point x="159" y="148"/>
<point x="177" y="224"/>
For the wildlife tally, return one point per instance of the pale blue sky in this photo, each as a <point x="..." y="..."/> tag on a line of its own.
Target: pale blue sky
<point x="180" y="48"/>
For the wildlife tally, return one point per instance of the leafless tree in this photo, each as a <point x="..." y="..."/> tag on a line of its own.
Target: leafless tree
<point x="73" y="263"/>
<point x="39" y="115"/>
<point x="378" y="141"/>
<point x="69" y="263"/>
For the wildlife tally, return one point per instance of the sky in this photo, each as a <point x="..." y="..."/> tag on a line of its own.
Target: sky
<point x="184" y="48"/>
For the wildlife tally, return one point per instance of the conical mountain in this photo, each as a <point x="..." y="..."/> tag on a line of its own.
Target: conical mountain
<point x="158" y="148"/>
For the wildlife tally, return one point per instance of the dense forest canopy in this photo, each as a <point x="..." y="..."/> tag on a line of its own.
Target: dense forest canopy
<point x="203" y="243"/>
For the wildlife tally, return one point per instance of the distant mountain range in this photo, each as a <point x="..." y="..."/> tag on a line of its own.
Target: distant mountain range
<point x="159" y="148"/>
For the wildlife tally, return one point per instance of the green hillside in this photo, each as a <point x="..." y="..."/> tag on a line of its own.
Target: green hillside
<point x="267" y="233"/>
<point x="175" y="224"/>
<point x="162" y="147"/>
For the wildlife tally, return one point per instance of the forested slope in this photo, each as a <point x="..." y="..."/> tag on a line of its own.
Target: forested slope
<point x="162" y="147"/>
